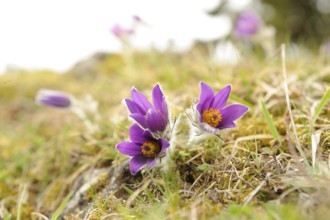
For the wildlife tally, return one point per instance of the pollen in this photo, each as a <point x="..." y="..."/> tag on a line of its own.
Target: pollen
<point x="212" y="117"/>
<point x="150" y="148"/>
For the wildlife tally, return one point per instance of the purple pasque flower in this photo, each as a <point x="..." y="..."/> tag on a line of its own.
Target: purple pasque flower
<point x="247" y="24"/>
<point x="143" y="147"/>
<point x="121" y="31"/>
<point x="213" y="115"/>
<point x="53" y="98"/>
<point x="152" y="117"/>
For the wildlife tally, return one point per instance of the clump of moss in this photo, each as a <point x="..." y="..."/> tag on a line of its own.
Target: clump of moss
<point x="248" y="174"/>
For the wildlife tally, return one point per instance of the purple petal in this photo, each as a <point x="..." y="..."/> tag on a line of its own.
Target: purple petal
<point x="136" y="163"/>
<point x="53" y="98"/>
<point x="205" y="97"/>
<point x="226" y="125"/>
<point x="129" y="148"/>
<point x="164" y="109"/>
<point x="140" y="99"/>
<point x="119" y="30"/>
<point x="139" y="119"/>
<point x="116" y="29"/>
<point x="157" y="97"/>
<point x="230" y="114"/>
<point x="165" y="144"/>
<point x="133" y="107"/>
<point x="221" y="98"/>
<point x="156" y="121"/>
<point x="147" y="135"/>
<point x="151" y="162"/>
<point x="136" y="134"/>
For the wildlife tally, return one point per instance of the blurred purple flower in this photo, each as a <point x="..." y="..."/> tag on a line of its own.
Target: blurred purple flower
<point x="153" y="118"/>
<point x="213" y="115"/>
<point x="53" y="98"/>
<point x="136" y="18"/>
<point x="143" y="148"/>
<point x="246" y="25"/>
<point x="326" y="46"/>
<point x="120" y="31"/>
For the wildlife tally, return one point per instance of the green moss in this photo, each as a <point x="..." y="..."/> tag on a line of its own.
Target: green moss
<point x="206" y="179"/>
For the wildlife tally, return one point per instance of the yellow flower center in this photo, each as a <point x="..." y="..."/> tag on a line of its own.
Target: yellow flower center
<point x="212" y="117"/>
<point x="150" y="148"/>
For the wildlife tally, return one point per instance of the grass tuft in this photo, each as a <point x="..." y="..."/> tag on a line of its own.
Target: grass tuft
<point x="269" y="121"/>
<point x="321" y="105"/>
<point x="258" y="171"/>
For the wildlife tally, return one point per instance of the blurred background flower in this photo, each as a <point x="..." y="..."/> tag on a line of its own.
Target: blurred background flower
<point x="27" y="41"/>
<point x="246" y="25"/>
<point x="53" y="98"/>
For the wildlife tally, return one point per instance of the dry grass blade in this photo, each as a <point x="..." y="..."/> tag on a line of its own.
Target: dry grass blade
<point x="254" y="192"/>
<point x="286" y="90"/>
<point x="136" y="193"/>
<point x="315" y="144"/>
<point x="40" y="215"/>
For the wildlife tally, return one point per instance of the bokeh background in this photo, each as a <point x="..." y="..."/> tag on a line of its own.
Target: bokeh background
<point x="57" y="34"/>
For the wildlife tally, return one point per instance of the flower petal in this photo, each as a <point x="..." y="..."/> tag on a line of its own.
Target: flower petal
<point x="156" y="121"/>
<point x="136" y="163"/>
<point x="157" y="97"/>
<point x="164" y="109"/>
<point x="140" y="99"/>
<point x="151" y="162"/>
<point x="221" y="98"/>
<point x="147" y="135"/>
<point x="230" y="114"/>
<point x="227" y="125"/>
<point x="133" y="107"/>
<point x="129" y="148"/>
<point x="205" y="97"/>
<point x="136" y="134"/>
<point x="165" y="144"/>
<point x="139" y="119"/>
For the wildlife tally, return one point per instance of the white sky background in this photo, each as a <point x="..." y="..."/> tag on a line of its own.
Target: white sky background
<point x="55" y="34"/>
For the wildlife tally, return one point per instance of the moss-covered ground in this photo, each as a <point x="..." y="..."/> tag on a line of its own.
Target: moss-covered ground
<point x="51" y="167"/>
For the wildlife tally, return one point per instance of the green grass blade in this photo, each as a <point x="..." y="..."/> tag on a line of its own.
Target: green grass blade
<point x="270" y="121"/>
<point x="59" y="210"/>
<point x="321" y="105"/>
<point x="238" y="99"/>
<point x="23" y="191"/>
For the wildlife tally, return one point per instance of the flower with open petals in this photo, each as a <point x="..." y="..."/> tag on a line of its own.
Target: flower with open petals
<point x="213" y="115"/>
<point x="152" y="117"/>
<point x="246" y="25"/>
<point x="143" y="147"/>
<point x="53" y="98"/>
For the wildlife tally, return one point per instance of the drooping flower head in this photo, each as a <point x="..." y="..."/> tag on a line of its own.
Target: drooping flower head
<point x="213" y="114"/>
<point x="120" y="31"/>
<point x="53" y="98"/>
<point x="246" y="25"/>
<point x="152" y="117"/>
<point x="143" y="147"/>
